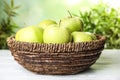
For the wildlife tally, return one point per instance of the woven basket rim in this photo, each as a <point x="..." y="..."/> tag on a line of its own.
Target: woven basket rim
<point x="100" y="38"/>
<point x="64" y="47"/>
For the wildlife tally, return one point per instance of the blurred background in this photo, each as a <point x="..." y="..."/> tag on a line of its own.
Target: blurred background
<point x="99" y="16"/>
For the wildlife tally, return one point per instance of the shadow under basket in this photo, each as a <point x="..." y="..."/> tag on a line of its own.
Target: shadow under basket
<point x="66" y="58"/>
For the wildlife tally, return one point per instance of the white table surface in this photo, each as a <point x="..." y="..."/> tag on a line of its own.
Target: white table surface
<point x="107" y="67"/>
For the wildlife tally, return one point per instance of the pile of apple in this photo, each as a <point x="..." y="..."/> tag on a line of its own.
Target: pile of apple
<point x="48" y="31"/>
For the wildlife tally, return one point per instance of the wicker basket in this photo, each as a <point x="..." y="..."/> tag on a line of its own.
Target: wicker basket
<point x="66" y="58"/>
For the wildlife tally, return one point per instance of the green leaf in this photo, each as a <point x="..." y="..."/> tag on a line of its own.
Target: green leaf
<point x="16" y="7"/>
<point x="12" y="3"/>
<point x="7" y="25"/>
<point x="7" y="11"/>
<point x="13" y="14"/>
<point x="104" y="20"/>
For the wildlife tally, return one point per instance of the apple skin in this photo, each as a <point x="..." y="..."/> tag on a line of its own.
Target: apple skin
<point x="45" y="23"/>
<point x="30" y="34"/>
<point x="81" y="37"/>
<point x="55" y="34"/>
<point x="92" y="35"/>
<point x="72" y="24"/>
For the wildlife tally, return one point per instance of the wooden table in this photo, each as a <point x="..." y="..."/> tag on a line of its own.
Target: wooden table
<point x="107" y="67"/>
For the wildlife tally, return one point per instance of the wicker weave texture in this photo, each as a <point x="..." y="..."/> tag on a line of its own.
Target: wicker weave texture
<point x="66" y="58"/>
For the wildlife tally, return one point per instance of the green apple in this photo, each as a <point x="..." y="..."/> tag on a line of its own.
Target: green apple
<point x="45" y="23"/>
<point x="55" y="34"/>
<point x="72" y="24"/>
<point x="81" y="37"/>
<point x="92" y="35"/>
<point x="30" y="34"/>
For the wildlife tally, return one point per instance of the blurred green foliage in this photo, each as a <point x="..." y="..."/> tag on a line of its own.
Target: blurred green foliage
<point x="101" y="19"/>
<point x="7" y="25"/>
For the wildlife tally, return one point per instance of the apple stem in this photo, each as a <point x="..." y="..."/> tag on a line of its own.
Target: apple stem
<point x="59" y="23"/>
<point x="70" y="14"/>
